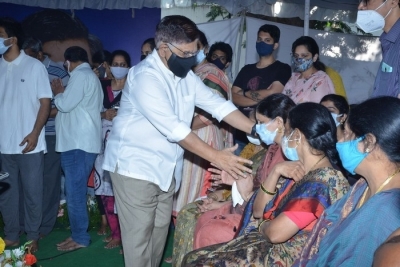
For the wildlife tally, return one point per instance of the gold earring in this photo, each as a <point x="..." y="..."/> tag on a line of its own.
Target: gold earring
<point x="280" y="130"/>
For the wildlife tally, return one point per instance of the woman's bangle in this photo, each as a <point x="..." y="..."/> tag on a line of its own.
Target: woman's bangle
<point x="267" y="192"/>
<point x="260" y="224"/>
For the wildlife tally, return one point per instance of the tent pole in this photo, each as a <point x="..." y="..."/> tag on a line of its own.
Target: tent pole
<point x="306" y="17"/>
<point x="239" y="44"/>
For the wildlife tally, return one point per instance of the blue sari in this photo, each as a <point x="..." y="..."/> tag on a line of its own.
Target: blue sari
<point x="348" y="236"/>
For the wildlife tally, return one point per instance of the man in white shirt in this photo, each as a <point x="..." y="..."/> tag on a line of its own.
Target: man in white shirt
<point x="78" y="127"/>
<point x="145" y="149"/>
<point x="24" y="108"/>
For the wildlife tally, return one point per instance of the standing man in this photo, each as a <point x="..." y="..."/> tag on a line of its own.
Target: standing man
<point x="145" y="149"/>
<point x="52" y="165"/>
<point x="24" y="108"/>
<point x="375" y="15"/>
<point x="78" y="127"/>
<point x="257" y="81"/>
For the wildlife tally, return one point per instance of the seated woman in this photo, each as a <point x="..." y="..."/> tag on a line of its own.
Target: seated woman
<point x="350" y="231"/>
<point x="309" y="82"/>
<point x="339" y="109"/>
<point x="215" y="222"/>
<point x="290" y="200"/>
<point x="221" y="226"/>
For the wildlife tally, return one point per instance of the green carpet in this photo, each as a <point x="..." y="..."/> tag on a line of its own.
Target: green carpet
<point x="95" y="255"/>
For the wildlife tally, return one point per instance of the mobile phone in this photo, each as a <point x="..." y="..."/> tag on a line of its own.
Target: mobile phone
<point x="102" y="71"/>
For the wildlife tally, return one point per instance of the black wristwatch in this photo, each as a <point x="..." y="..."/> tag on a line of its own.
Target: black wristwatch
<point x="253" y="130"/>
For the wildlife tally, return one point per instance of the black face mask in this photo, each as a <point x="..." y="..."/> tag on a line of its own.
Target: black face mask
<point x="142" y="57"/>
<point x="181" y="66"/>
<point x="217" y="62"/>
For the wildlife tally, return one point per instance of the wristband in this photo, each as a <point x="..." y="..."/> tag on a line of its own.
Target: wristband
<point x="253" y="130"/>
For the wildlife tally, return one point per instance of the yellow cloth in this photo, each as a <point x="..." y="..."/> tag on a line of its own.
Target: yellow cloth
<point x="337" y="81"/>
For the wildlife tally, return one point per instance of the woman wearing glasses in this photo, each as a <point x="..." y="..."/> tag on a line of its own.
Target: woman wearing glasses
<point x="309" y="82"/>
<point x="112" y="89"/>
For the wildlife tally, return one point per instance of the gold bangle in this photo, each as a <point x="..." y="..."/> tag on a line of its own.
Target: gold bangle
<point x="267" y="192"/>
<point x="259" y="226"/>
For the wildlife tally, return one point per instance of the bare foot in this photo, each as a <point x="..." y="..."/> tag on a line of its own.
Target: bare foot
<point x="10" y="243"/>
<point x="69" y="239"/>
<point x="103" y="227"/>
<point x="70" y="246"/>
<point x="107" y="239"/>
<point x="114" y="243"/>
<point x="33" y="246"/>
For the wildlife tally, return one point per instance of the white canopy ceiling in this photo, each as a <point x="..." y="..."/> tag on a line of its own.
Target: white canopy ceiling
<point x="343" y="10"/>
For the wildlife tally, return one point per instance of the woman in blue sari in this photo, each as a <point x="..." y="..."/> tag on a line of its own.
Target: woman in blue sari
<point x="350" y="231"/>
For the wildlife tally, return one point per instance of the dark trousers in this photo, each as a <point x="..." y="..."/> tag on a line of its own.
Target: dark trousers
<point x="51" y="186"/>
<point x="26" y="178"/>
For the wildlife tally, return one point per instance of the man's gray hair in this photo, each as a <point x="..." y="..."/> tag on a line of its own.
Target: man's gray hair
<point x="176" y="29"/>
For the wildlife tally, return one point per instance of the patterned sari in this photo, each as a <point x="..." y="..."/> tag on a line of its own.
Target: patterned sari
<point x="189" y="215"/>
<point x="318" y="190"/>
<point x="218" y="135"/>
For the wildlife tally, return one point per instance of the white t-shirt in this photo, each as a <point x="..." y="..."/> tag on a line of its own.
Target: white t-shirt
<point x="156" y="111"/>
<point x="22" y="83"/>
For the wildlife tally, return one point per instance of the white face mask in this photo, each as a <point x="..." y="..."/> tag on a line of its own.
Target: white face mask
<point x="335" y="118"/>
<point x="3" y="47"/>
<point x="119" y="72"/>
<point x="370" y="20"/>
<point x="200" y="56"/>
<point x="253" y="140"/>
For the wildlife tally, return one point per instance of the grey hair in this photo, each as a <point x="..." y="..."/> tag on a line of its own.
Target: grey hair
<point x="176" y="29"/>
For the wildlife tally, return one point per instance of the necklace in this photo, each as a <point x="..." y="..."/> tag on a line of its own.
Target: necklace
<point x="317" y="163"/>
<point x="379" y="189"/>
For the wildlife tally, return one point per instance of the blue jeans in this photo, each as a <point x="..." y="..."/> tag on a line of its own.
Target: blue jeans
<point x="77" y="165"/>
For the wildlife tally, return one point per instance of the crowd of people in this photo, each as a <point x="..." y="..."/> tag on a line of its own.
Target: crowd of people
<point x="272" y="169"/>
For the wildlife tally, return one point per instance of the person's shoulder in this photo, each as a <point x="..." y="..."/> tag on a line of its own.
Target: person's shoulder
<point x="281" y="64"/>
<point x="249" y="67"/>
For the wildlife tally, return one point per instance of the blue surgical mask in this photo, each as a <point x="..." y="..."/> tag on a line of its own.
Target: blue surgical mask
<point x="289" y="152"/>
<point x="217" y="62"/>
<point x="264" y="49"/>
<point x="266" y="135"/>
<point x="302" y="64"/>
<point x="200" y="56"/>
<point x="335" y="116"/>
<point x="253" y="140"/>
<point x="3" y="47"/>
<point x="349" y="154"/>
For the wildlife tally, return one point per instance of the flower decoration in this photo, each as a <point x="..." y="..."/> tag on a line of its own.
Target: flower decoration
<point x="18" y="257"/>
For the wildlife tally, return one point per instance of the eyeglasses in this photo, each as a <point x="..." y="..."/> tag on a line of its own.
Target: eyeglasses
<point x="185" y="54"/>
<point x="122" y="65"/>
<point x="296" y="56"/>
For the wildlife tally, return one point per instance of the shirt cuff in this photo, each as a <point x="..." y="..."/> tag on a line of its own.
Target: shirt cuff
<point x="223" y="110"/>
<point x="179" y="133"/>
<point x="236" y="197"/>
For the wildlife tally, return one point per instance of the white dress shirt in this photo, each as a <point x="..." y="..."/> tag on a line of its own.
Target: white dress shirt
<point x="78" y="121"/>
<point x="23" y="82"/>
<point x="156" y="112"/>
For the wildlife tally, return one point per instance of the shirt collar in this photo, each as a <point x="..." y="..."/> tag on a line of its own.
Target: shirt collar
<point x="393" y="34"/>
<point x="18" y="59"/>
<point x="46" y="61"/>
<point x="81" y="66"/>
<point x="161" y="65"/>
